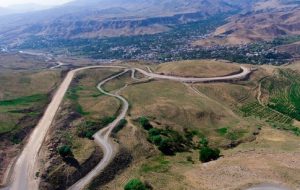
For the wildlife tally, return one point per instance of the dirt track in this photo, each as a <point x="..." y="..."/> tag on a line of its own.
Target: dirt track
<point x="24" y="172"/>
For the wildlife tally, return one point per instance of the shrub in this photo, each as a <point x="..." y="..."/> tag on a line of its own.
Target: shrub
<point x="156" y="139"/>
<point x="166" y="146"/>
<point x="135" y="184"/>
<point x="154" y="132"/>
<point x="65" y="151"/>
<point x="203" y="142"/>
<point x="145" y="123"/>
<point x="208" y="154"/>
<point x="120" y="126"/>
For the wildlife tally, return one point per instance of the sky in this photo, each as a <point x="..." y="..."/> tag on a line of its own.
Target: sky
<point x="6" y="3"/>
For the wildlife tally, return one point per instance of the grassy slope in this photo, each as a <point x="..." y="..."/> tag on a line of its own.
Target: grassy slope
<point x="23" y="97"/>
<point x="175" y="105"/>
<point x="23" y="91"/>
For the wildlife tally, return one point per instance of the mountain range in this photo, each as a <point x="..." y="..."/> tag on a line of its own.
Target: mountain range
<point x="106" y="18"/>
<point x="22" y="8"/>
<point x="84" y="19"/>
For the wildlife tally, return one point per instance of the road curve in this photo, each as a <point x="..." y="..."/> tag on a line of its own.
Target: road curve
<point x="102" y="138"/>
<point x="245" y="72"/>
<point x="23" y="174"/>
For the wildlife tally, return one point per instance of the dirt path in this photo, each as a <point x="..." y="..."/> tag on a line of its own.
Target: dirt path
<point x="24" y="172"/>
<point x="102" y="138"/>
<point x="259" y="94"/>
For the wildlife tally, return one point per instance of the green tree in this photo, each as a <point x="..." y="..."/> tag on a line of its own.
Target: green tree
<point x="65" y="151"/>
<point x="135" y="184"/>
<point x="145" y="123"/>
<point x="208" y="154"/>
<point x="166" y="146"/>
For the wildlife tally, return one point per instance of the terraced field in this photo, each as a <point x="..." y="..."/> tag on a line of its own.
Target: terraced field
<point x="265" y="113"/>
<point x="284" y="92"/>
<point x="281" y="103"/>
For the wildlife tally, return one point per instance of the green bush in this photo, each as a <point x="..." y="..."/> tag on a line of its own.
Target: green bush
<point x="145" y="123"/>
<point x="65" y="151"/>
<point x="154" y="132"/>
<point x="135" y="184"/>
<point x="167" y="147"/>
<point x="156" y="139"/>
<point x="208" y="154"/>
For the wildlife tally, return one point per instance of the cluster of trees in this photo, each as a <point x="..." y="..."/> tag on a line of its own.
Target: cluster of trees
<point x="168" y="141"/>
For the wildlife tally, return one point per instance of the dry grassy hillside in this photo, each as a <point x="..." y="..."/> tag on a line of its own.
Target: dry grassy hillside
<point x="23" y="98"/>
<point x="268" y="157"/>
<point x="268" y="20"/>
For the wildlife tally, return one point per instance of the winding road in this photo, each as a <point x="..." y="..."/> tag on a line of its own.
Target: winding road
<point x="102" y="138"/>
<point x="24" y="171"/>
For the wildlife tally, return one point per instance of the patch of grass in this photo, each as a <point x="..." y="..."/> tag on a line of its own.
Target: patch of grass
<point x="25" y="100"/>
<point x="72" y="93"/>
<point x="222" y="131"/>
<point x="157" y="165"/>
<point x="135" y="184"/>
<point x="6" y="126"/>
<point x="79" y="109"/>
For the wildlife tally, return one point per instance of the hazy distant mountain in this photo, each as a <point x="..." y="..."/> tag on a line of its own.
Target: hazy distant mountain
<point x="22" y="8"/>
<point x="99" y="18"/>
<point x="30" y="7"/>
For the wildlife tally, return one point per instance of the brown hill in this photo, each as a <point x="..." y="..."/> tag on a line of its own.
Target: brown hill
<point x="268" y="20"/>
<point x="102" y="18"/>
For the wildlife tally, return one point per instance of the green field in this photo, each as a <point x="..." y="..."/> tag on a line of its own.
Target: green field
<point x="25" y="100"/>
<point x="265" y="113"/>
<point x="23" y="97"/>
<point x="284" y="92"/>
